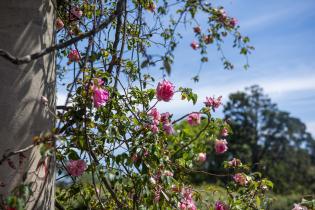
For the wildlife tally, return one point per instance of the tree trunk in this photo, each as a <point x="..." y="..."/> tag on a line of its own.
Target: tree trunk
<point x="26" y="26"/>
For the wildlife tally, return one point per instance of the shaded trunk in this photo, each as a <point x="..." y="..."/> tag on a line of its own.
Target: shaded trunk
<point x="26" y="26"/>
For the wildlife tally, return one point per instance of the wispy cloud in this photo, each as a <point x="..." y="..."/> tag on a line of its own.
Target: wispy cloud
<point x="276" y="15"/>
<point x="276" y="88"/>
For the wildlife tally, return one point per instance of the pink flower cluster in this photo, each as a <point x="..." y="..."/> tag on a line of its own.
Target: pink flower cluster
<point x="233" y="22"/>
<point x="224" y="132"/>
<point x="194" y="119"/>
<point x="164" y="118"/>
<point x="100" y="95"/>
<point x="235" y="162"/>
<point x="220" y="146"/>
<point x="59" y="24"/>
<point x="212" y="102"/>
<point x="76" y="167"/>
<point x="219" y="205"/>
<point x="187" y="203"/>
<point x="73" y="56"/>
<point x="165" y="91"/>
<point x="223" y="17"/>
<point x="240" y="179"/>
<point x="202" y="157"/>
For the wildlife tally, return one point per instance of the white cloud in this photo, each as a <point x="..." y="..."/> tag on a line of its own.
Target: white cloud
<point x="276" y="88"/>
<point x="311" y="127"/>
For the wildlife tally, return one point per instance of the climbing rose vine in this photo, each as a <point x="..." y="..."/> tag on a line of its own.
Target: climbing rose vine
<point x="114" y="145"/>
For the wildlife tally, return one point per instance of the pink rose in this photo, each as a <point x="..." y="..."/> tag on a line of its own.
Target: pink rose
<point x="165" y="91"/>
<point x="154" y="128"/>
<point x="207" y="39"/>
<point x="224" y="132"/>
<point x="76" y="167"/>
<point x="168" y="128"/>
<point x="59" y="24"/>
<point x="240" y="179"/>
<point x="235" y="162"/>
<point x="219" y="205"/>
<point x="100" y="96"/>
<point x="165" y="117"/>
<point x="213" y="103"/>
<point x="187" y="203"/>
<point x="76" y="12"/>
<point x="154" y="113"/>
<point x="73" y="56"/>
<point x="197" y="29"/>
<point x="193" y="119"/>
<point x="221" y="146"/>
<point x="222" y="14"/>
<point x="194" y="45"/>
<point x="202" y="157"/>
<point x="233" y="22"/>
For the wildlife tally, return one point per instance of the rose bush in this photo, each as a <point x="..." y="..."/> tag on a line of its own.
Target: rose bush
<point x="110" y="129"/>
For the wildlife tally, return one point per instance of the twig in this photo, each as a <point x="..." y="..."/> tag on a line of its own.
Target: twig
<point x="34" y="56"/>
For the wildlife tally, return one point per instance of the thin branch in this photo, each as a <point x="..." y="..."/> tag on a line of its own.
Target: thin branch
<point x="34" y="56"/>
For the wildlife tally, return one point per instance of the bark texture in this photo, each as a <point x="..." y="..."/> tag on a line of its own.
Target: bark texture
<point x="26" y="26"/>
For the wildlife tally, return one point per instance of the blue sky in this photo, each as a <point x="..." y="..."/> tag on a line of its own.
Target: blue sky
<point x="283" y="63"/>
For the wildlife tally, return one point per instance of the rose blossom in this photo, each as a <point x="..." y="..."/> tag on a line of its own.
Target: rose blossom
<point x="219" y="205"/>
<point x="76" y="167"/>
<point x="235" y="162"/>
<point x="223" y="14"/>
<point x="221" y="146"/>
<point x="73" y="56"/>
<point x="202" y="157"/>
<point x="100" y="95"/>
<point x="240" y="179"/>
<point x="165" y="117"/>
<point x="193" y="119"/>
<point x="187" y="203"/>
<point x="168" y="128"/>
<point x="154" y="128"/>
<point x="165" y="91"/>
<point x="59" y="24"/>
<point x="207" y="39"/>
<point x="154" y="113"/>
<point x="233" y="22"/>
<point x="212" y="102"/>
<point x="299" y="207"/>
<point x="224" y="132"/>
<point x="194" y="45"/>
<point x="197" y="29"/>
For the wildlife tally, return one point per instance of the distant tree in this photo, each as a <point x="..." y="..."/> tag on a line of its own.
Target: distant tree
<point x="271" y="140"/>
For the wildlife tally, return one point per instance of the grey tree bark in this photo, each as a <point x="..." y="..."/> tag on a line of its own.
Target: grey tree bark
<point x="26" y="26"/>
